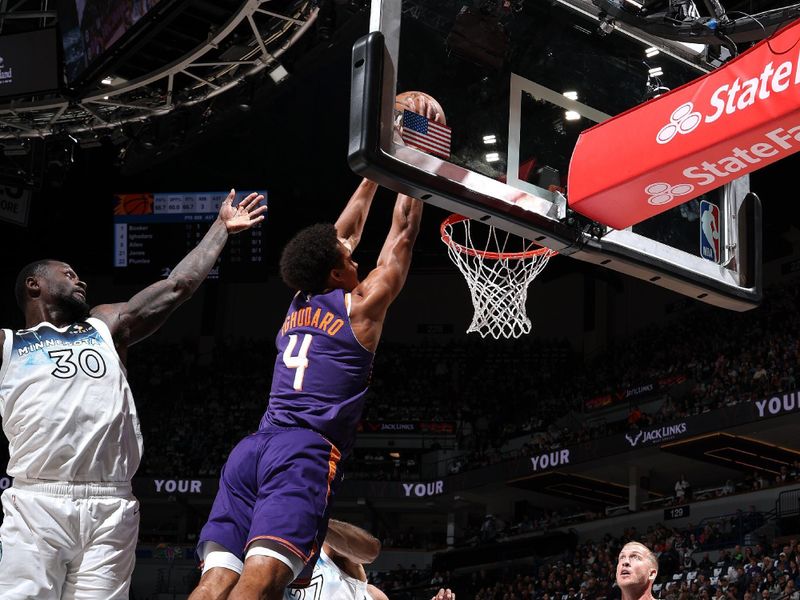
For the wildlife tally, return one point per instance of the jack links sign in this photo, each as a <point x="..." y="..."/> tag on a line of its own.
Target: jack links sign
<point x="773" y="406"/>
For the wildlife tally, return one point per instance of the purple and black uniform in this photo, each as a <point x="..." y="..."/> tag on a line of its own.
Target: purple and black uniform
<point x="278" y="482"/>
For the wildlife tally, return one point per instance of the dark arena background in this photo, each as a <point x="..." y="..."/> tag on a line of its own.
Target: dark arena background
<point x="510" y="469"/>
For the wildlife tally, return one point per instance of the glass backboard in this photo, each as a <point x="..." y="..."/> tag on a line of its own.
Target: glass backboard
<point x="518" y="83"/>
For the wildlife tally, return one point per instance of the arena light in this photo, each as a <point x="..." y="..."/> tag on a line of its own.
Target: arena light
<point x="107" y="80"/>
<point x="572" y="115"/>
<point x="571" y="95"/>
<point x="490" y="139"/>
<point x="278" y="74"/>
<point x="492" y="157"/>
<point x="656" y="72"/>
<point x="651" y="51"/>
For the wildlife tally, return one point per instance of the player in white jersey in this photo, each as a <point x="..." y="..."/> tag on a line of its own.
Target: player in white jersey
<point x="338" y="577"/>
<point x="70" y="520"/>
<point x="338" y="573"/>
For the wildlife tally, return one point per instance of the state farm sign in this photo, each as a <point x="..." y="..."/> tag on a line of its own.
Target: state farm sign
<point x="730" y="122"/>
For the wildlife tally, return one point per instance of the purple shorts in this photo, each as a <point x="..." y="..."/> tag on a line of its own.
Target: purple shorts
<point x="276" y="486"/>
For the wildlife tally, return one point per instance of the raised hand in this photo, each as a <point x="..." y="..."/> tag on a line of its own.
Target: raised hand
<point x="444" y="595"/>
<point x="244" y="215"/>
<point x="422" y="104"/>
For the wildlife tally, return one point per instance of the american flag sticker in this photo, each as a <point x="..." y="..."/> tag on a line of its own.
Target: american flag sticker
<point x="428" y="136"/>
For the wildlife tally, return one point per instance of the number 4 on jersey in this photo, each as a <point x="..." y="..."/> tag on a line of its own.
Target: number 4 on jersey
<point x="300" y="361"/>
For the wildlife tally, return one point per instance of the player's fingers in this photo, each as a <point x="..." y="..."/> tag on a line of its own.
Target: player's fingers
<point x="430" y="111"/>
<point x="251" y="200"/>
<point x="230" y="197"/>
<point x="259" y="211"/>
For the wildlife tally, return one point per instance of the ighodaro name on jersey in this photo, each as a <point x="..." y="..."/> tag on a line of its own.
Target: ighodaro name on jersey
<point x="324" y="321"/>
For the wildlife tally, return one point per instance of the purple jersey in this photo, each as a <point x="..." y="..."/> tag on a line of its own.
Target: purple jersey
<point x="321" y="371"/>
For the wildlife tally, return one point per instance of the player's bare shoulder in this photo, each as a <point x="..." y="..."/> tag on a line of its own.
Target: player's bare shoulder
<point x="367" y="325"/>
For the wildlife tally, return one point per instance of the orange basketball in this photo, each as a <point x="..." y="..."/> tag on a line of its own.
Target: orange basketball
<point x="422" y="104"/>
<point x="134" y="204"/>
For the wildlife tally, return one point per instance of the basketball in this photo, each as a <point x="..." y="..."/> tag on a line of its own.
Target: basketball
<point x="133" y="204"/>
<point x="422" y="104"/>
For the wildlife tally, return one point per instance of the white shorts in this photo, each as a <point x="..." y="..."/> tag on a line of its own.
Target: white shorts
<point x="66" y="541"/>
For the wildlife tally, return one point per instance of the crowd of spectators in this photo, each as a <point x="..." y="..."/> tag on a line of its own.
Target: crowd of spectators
<point x="196" y="402"/>
<point x="687" y="571"/>
<point x="768" y="572"/>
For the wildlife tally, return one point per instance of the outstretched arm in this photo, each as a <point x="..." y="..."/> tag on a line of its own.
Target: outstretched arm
<point x="383" y="284"/>
<point x="350" y="223"/>
<point x="144" y="313"/>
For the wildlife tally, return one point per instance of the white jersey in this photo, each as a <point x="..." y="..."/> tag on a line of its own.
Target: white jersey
<point x="67" y="409"/>
<point x="329" y="582"/>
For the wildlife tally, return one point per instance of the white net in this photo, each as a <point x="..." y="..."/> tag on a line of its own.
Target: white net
<point x="498" y="266"/>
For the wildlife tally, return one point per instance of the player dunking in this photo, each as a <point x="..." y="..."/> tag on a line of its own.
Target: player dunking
<point x="271" y="512"/>
<point x="70" y="520"/>
<point x="275" y="490"/>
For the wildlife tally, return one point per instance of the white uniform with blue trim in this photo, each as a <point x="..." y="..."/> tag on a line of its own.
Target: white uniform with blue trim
<point x="329" y="582"/>
<point x="70" y="519"/>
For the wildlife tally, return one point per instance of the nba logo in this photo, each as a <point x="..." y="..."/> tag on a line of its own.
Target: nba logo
<point x="709" y="231"/>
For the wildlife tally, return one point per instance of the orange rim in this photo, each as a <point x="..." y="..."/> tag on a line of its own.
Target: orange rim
<point x="454" y="218"/>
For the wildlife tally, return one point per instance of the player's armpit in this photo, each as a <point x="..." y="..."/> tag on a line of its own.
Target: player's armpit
<point x="133" y="321"/>
<point x="371" y="300"/>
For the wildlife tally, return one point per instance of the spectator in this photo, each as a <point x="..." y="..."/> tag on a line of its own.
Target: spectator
<point x="681" y="487"/>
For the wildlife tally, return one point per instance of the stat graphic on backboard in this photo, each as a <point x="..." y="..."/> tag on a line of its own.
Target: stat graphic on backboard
<point x="709" y="231"/>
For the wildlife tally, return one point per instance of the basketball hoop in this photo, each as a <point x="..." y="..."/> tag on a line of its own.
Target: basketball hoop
<point x="498" y="267"/>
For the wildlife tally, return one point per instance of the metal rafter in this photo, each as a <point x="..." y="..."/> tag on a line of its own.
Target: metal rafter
<point x="195" y="77"/>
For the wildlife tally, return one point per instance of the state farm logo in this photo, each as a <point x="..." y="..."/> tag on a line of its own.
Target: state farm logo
<point x="733" y="97"/>
<point x="683" y="120"/>
<point x="664" y="193"/>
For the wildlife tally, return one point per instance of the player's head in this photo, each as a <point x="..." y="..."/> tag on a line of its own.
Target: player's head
<point x="637" y="568"/>
<point x="55" y="285"/>
<point x="315" y="260"/>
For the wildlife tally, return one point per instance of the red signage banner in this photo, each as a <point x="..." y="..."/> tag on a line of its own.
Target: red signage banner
<point x="730" y="122"/>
